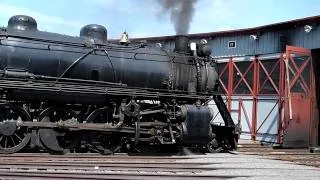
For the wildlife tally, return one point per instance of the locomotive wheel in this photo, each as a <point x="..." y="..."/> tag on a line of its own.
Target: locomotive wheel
<point x="105" y="143"/>
<point x="58" y="140"/>
<point x="214" y="146"/>
<point x="12" y="137"/>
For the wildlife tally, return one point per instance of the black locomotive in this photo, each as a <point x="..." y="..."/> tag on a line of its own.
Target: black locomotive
<point x="85" y="93"/>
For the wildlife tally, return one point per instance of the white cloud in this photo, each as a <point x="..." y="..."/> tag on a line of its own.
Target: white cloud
<point x="45" y="22"/>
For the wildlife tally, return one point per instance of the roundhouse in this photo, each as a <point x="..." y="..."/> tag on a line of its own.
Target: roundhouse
<point x="269" y="77"/>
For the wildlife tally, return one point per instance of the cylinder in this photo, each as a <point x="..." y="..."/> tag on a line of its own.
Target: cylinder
<point x="196" y="128"/>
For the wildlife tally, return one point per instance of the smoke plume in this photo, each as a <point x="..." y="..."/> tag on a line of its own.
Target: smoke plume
<point x="181" y="12"/>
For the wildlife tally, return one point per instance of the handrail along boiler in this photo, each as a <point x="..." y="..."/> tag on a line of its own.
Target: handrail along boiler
<point x="85" y="93"/>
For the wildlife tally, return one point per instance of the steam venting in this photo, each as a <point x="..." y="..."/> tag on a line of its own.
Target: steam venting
<point x="181" y="12"/>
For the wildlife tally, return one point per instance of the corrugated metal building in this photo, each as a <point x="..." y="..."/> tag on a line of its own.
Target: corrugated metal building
<point x="269" y="77"/>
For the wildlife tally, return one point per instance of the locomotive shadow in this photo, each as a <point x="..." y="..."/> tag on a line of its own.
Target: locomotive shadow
<point x="166" y="151"/>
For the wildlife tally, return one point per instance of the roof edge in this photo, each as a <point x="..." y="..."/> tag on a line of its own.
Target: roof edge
<point x="301" y="21"/>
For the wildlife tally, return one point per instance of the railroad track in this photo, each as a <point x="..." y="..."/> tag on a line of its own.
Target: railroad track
<point x="94" y="166"/>
<point x="257" y="162"/>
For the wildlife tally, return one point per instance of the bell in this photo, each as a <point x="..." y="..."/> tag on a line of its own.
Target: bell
<point x="124" y="38"/>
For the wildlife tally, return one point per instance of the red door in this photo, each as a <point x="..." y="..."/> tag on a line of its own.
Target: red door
<point x="298" y="97"/>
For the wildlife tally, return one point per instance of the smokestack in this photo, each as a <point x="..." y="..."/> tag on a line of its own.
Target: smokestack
<point x="181" y="12"/>
<point x="182" y="43"/>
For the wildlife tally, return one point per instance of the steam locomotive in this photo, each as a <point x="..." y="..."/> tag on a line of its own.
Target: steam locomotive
<point x="86" y="93"/>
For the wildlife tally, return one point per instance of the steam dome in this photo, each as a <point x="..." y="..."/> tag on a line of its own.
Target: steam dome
<point x="94" y="32"/>
<point x="22" y="23"/>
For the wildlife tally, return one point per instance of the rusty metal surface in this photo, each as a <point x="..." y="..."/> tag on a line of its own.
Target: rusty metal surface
<point x="298" y="128"/>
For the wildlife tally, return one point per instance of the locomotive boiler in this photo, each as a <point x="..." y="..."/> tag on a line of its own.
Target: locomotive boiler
<point x="86" y="93"/>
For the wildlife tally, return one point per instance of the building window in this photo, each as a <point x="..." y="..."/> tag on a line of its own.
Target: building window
<point x="232" y="44"/>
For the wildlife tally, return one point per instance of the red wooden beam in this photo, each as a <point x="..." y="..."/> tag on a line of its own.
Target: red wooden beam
<point x="268" y="74"/>
<point x="281" y="104"/>
<point x="255" y="93"/>
<point x="298" y="75"/>
<point x="224" y="86"/>
<point x="242" y="76"/>
<point x="230" y="83"/>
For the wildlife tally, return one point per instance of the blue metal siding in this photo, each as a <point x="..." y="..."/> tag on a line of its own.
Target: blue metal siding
<point x="268" y="42"/>
<point x="297" y="37"/>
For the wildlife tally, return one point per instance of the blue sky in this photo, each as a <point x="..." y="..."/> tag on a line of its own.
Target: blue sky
<point x="141" y="18"/>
